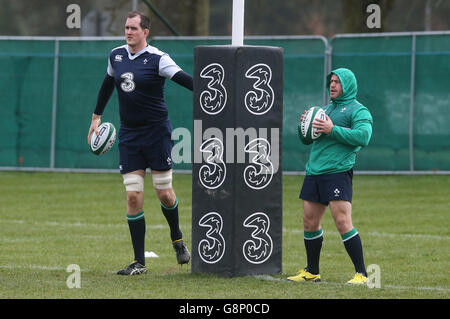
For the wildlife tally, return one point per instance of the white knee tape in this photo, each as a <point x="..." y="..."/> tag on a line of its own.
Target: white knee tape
<point x="162" y="180"/>
<point x="133" y="183"/>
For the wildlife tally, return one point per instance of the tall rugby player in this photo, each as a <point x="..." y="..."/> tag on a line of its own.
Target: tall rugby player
<point x="138" y="71"/>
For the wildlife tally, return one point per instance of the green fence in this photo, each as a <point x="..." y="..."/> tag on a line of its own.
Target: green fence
<point x="49" y="86"/>
<point x="404" y="80"/>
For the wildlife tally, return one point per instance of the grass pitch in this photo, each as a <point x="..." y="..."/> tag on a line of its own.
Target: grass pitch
<point x="52" y="220"/>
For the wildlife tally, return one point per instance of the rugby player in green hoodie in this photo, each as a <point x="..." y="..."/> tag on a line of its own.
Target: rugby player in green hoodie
<point x="329" y="172"/>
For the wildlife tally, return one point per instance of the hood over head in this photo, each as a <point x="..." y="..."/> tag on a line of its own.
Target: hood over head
<point x="348" y="82"/>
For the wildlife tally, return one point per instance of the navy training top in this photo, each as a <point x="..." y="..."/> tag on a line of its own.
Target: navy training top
<point x="139" y="79"/>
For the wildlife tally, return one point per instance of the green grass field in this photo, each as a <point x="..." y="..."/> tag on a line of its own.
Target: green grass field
<point x="51" y="220"/>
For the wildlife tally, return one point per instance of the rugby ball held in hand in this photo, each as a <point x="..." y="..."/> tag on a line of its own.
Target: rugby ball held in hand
<point x="305" y="130"/>
<point x="104" y="141"/>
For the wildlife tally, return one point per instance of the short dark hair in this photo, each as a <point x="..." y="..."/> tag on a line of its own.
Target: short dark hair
<point x="145" y="21"/>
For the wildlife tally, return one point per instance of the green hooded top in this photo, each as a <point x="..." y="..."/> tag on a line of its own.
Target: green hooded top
<point x="336" y="152"/>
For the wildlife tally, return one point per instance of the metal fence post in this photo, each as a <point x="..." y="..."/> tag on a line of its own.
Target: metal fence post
<point x="326" y="70"/>
<point x="411" y="103"/>
<point x="54" y="104"/>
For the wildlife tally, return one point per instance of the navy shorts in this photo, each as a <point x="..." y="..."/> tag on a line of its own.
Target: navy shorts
<point x="146" y="147"/>
<point x="327" y="187"/>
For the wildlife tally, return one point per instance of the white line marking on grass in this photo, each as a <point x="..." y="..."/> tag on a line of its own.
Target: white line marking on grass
<point x="79" y="224"/>
<point x="328" y="283"/>
<point x="418" y="236"/>
<point x="269" y="278"/>
<point x="14" y="221"/>
<point x="163" y="226"/>
<point x="39" y="267"/>
<point x="59" y="224"/>
<point x="415" y="288"/>
<point x="43" y="267"/>
<point x="17" y="240"/>
<point x="377" y="234"/>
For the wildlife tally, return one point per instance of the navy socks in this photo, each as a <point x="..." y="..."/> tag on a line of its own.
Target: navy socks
<point x="136" y="224"/>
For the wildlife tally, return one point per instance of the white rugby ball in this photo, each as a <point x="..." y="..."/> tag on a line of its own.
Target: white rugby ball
<point x="306" y="132"/>
<point x="104" y="141"/>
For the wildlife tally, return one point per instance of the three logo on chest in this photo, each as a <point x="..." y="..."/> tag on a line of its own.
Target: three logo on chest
<point x="128" y="84"/>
